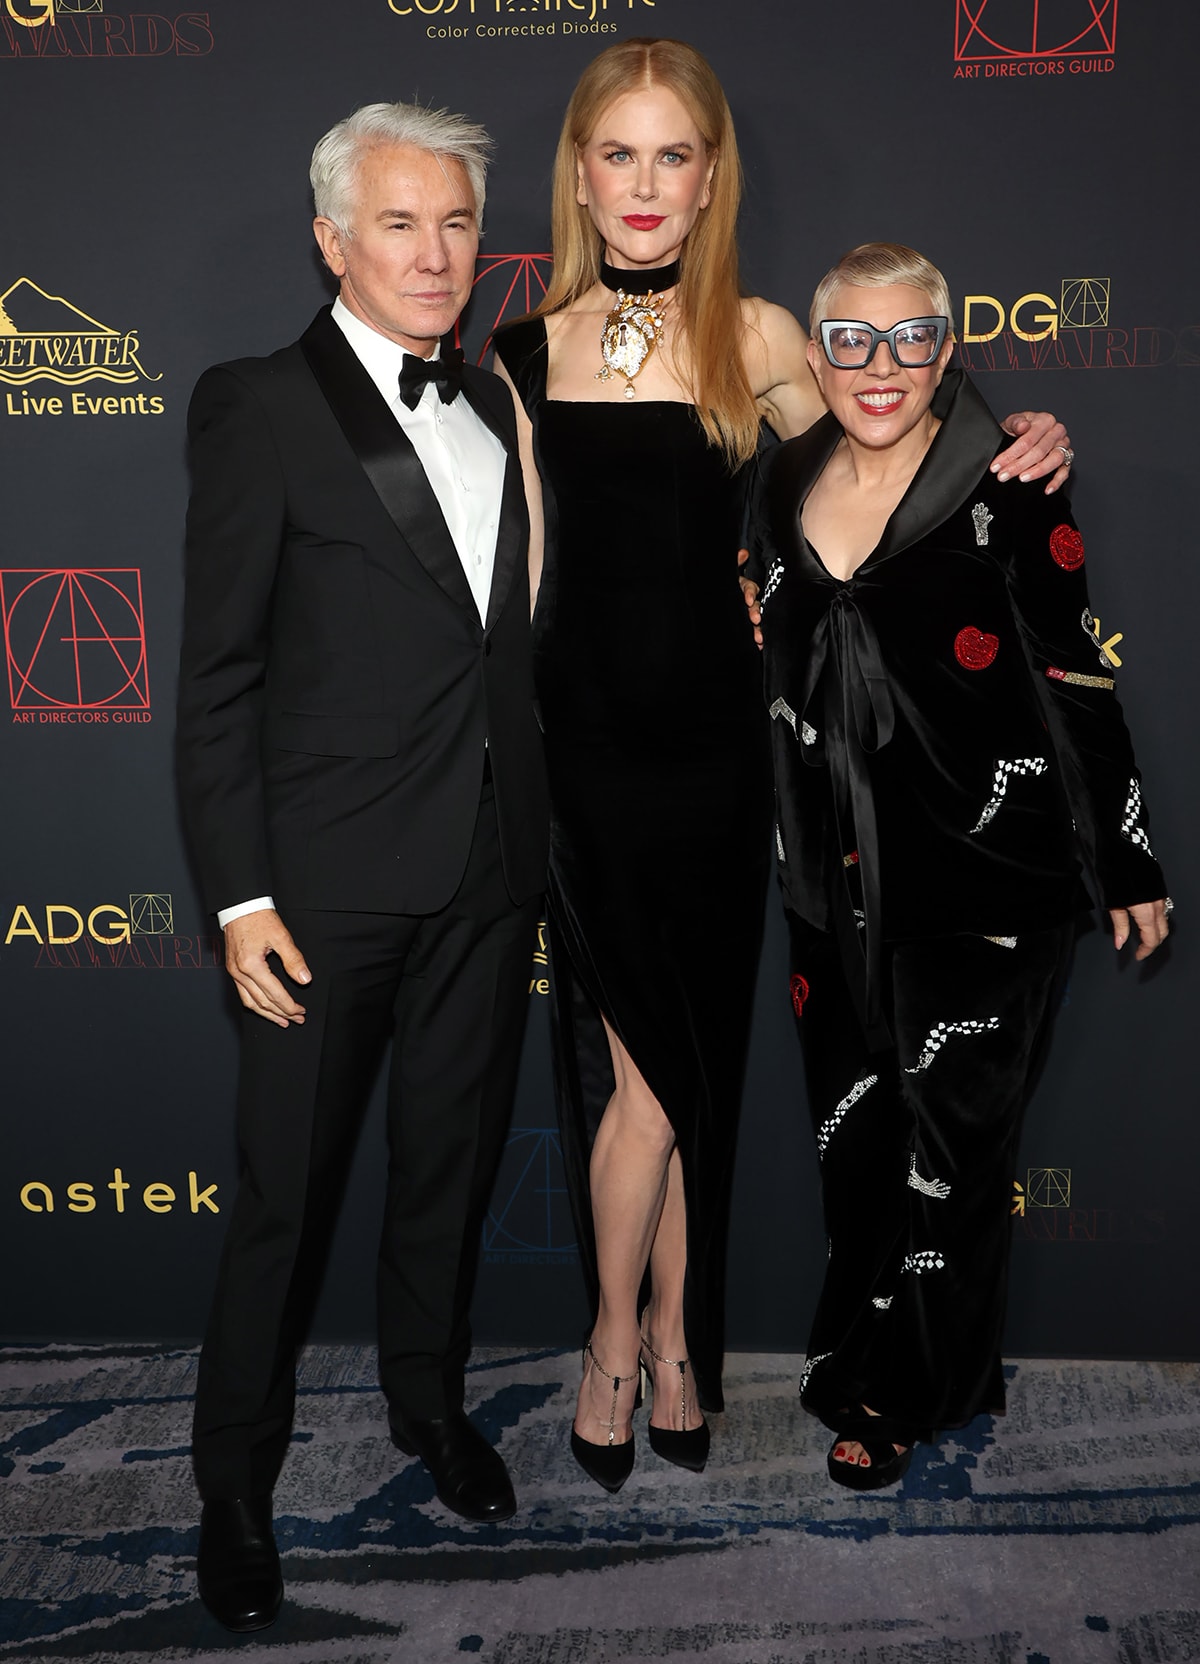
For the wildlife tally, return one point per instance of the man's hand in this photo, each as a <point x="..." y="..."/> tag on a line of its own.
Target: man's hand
<point x="1041" y="448"/>
<point x="750" y="597"/>
<point x="248" y="941"/>
<point x="1150" y="917"/>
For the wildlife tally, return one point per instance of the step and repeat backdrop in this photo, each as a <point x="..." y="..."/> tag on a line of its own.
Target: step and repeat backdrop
<point x="157" y="220"/>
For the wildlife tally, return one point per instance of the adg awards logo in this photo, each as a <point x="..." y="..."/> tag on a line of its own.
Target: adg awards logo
<point x="75" y="645"/>
<point x="1023" y="38"/>
<point x="49" y="29"/>
<point x="45" y="338"/>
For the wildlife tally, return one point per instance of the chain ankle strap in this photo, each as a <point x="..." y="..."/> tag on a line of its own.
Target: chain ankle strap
<point x="618" y="1381"/>
<point x="681" y="1364"/>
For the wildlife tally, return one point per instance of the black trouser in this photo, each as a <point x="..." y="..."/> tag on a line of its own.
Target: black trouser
<point x="918" y="1147"/>
<point x="451" y="990"/>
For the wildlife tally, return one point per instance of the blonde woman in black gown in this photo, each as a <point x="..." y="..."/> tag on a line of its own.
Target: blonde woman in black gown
<point x="651" y="694"/>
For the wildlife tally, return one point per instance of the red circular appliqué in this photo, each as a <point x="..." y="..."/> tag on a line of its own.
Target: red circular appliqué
<point x="1066" y="546"/>
<point x="975" y="650"/>
<point x="799" y="994"/>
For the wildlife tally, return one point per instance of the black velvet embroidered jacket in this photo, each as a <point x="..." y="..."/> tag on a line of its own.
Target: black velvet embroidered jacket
<point x="948" y="748"/>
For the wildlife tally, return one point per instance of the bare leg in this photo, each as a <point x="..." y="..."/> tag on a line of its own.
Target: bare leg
<point x="675" y="1403"/>
<point x="630" y="1184"/>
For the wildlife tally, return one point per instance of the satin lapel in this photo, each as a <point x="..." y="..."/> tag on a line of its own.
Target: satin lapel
<point x="512" y="535"/>
<point x="964" y="445"/>
<point x="386" y="455"/>
<point x="794" y="468"/>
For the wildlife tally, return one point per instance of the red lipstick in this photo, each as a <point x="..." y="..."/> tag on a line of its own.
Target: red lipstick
<point x="644" y="222"/>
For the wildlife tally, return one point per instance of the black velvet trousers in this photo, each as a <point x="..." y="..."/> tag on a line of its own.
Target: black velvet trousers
<point x="451" y="991"/>
<point x="917" y="1147"/>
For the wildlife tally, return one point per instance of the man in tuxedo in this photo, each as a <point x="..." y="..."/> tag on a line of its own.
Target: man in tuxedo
<point x="361" y="775"/>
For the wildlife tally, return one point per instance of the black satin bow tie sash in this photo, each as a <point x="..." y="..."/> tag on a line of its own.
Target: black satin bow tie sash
<point x="848" y="702"/>
<point x="445" y="372"/>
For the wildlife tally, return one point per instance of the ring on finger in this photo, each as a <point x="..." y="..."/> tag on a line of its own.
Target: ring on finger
<point x="1068" y="454"/>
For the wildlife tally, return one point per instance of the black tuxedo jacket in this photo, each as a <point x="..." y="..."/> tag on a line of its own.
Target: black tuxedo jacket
<point x="337" y="685"/>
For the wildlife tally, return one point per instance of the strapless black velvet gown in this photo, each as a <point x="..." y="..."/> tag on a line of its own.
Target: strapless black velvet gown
<point x="658" y="752"/>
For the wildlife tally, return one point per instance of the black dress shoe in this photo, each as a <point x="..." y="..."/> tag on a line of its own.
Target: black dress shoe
<point x="468" y="1474"/>
<point x="237" y="1567"/>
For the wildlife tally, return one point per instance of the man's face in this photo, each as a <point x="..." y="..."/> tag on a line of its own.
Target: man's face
<point x="408" y="267"/>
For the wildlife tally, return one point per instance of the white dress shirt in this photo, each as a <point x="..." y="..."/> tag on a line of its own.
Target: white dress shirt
<point x="464" y="463"/>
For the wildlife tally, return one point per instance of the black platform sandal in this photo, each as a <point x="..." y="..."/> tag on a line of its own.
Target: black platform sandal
<point x="887" y="1464"/>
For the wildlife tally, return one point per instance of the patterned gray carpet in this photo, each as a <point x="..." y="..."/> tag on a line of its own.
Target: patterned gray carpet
<point x="1068" y="1533"/>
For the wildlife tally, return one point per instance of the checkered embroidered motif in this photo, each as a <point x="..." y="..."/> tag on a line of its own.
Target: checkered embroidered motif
<point x="828" y="1128"/>
<point x="808" y="734"/>
<point x="926" y="1259"/>
<point x="1005" y="769"/>
<point x="774" y="578"/>
<point x="1131" y="820"/>
<point x="882" y="1304"/>
<point x="941" y="1032"/>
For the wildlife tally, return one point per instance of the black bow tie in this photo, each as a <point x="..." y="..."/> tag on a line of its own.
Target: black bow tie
<point x="446" y="374"/>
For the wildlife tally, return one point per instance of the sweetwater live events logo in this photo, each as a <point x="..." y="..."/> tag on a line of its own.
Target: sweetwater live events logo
<point x="1071" y="324"/>
<point x="47" y="342"/>
<point x="75" y="646"/>
<point x="522" y="19"/>
<point x="136" y="933"/>
<point x="1045" y="1211"/>
<point x="49" y="29"/>
<point x="1020" y="39"/>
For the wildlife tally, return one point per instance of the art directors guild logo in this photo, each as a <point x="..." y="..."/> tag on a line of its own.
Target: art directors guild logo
<point x="1017" y="39"/>
<point x="75" y="644"/>
<point x="519" y="19"/>
<point x="46" y="339"/>
<point x="1044" y="1211"/>
<point x="99" y="29"/>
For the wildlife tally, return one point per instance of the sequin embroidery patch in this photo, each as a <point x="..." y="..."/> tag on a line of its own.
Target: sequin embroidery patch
<point x="828" y="1128"/>
<point x="1131" y="820"/>
<point x="926" y="1259"/>
<point x="941" y="1032"/>
<point x="937" y="1188"/>
<point x="774" y="578"/>
<point x="983" y="518"/>
<point x="799" y="991"/>
<point x="1077" y="679"/>
<point x="783" y="709"/>
<point x="1066" y="546"/>
<point x="881" y="1303"/>
<point x="809" y="1366"/>
<point x="1005" y="768"/>
<point x="974" y="648"/>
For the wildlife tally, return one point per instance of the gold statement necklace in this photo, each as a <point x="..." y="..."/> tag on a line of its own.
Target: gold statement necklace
<point x="633" y="326"/>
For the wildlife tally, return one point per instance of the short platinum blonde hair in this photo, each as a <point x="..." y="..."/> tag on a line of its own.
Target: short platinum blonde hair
<point x="878" y="266"/>
<point x="336" y="159"/>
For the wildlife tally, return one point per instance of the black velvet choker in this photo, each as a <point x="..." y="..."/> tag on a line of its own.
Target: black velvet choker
<point x="639" y="282"/>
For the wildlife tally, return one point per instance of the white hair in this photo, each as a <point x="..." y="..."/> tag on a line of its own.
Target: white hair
<point x="879" y="266"/>
<point x="335" y="161"/>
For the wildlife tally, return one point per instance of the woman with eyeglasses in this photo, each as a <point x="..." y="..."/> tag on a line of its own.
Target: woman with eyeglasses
<point x="950" y="757"/>
<point x="641" y="383"/>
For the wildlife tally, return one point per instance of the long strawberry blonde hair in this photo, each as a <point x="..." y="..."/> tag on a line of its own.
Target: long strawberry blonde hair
<point x="709" y="292"/>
